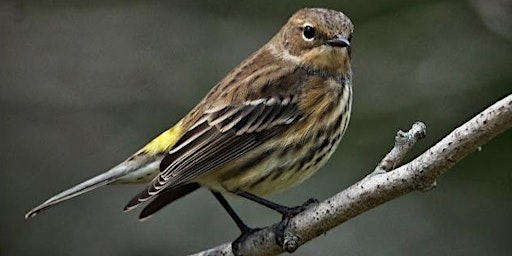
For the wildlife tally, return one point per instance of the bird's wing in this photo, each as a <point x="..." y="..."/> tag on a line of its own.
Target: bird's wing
<point x="166" y="197"/>
<point x="219" y="136"/>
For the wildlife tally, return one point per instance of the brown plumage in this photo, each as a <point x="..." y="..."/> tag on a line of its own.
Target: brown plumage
<point x="271" y="122"/>
<point x="268" y="125"/>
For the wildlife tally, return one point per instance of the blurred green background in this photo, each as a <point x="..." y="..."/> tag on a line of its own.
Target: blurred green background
<point x="83" y="84"/>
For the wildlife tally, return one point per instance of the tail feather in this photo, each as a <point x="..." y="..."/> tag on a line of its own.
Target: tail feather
<point x="128" y="168"/>
<point x="86" y="186"/>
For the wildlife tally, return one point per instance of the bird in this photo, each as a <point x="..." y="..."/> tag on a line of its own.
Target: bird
<point x="268" y="125"/>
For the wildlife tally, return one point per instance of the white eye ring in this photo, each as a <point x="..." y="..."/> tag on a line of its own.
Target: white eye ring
<point x="308" y="32"/>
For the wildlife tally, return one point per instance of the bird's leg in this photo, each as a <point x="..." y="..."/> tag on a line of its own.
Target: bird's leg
<point x="287" y="212"/>
<point x="244" y="229"/>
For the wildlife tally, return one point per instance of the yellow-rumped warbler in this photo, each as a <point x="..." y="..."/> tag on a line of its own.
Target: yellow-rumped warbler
<point x="268" y="125"/>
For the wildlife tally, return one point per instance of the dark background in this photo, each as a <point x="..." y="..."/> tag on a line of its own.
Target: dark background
<point x="83" y="84"/>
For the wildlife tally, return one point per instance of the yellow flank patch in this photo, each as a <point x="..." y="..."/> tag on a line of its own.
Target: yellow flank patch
<point x="164" y="141"/>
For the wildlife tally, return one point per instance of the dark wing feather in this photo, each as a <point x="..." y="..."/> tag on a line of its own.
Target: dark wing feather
<point x="218" y="137"/>
<point x="166" y="197"/>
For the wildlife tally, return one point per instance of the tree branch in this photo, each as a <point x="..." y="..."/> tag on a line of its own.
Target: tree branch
<point x="384" y="183"/>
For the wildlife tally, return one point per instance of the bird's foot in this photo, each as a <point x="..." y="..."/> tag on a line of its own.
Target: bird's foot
<point x="246" y="232"/>
<point x="284" y="240"/>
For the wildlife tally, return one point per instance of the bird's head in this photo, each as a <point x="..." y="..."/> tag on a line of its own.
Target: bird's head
<point x="316" y="38"/>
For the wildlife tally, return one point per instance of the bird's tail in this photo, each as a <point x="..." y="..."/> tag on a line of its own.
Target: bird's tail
<point x="133" y="170"/>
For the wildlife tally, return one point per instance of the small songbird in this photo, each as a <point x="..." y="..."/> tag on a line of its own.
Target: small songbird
<point x="270" y="124"/>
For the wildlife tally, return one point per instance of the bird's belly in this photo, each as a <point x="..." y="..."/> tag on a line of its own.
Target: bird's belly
<point x="287" y="160"/>
<point x="272" y="169"/>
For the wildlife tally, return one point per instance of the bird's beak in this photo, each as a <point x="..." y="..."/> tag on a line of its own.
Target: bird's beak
<point x="338" y="41"/>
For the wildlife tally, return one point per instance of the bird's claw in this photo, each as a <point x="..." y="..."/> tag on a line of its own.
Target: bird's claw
<point x="246" y="232"/>
<point x="280" y="230"/>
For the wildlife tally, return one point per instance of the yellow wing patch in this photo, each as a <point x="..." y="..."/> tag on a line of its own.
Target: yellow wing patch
<point x="165" y="141"/>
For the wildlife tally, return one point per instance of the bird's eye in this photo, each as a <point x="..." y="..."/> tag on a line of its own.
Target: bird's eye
<point x="308" y="33"/>
<point x="349" y="38"/>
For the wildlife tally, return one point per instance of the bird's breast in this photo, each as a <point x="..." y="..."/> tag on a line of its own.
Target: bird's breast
<point x="290" y="158"/>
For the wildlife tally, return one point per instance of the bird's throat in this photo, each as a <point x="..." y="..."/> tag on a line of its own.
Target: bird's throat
<point x="330" y="59"/>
